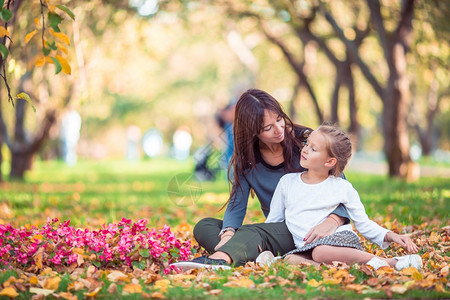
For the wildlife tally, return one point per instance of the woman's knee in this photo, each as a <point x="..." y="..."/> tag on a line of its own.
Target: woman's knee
<point x="320" y="253"/>
<point x="203" y="225"/>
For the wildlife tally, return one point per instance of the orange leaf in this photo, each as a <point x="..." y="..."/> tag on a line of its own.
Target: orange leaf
<point x="52" y="283"/>
<point x="68" y="296"/>
<point x="34" y="280"/>
<point x="116" y="276"/>
<point x="30" y="35"/>
<point x="444" y="271"/>
<point x="61" y="36"/>
<point x="314" y="283"/>
<point x="157" y="295"/>
<point x="62" y="48"/>
<point x="132" y="288"/>
<point x="245" y="283"/>
<point x="40" y="61"/>
<point x="3" y="32"/>
<point x="9" y="292"/>
<point x="64" y="64"/>
<point x="94" y="292"/>
<point x="37" y="21"/>
<point x="398" y="289"/>
<point x="38" y="258"/>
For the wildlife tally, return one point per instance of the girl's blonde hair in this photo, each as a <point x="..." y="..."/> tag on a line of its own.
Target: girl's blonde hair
<point x="339" y="146"/>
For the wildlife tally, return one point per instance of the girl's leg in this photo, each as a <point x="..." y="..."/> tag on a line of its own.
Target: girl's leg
<point x="250" y="240"/>
<point x="297" y="259"/>
<point x="327" y="254"/>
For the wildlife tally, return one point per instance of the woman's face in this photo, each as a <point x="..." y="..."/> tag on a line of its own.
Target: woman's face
<point x="272" y="131"/>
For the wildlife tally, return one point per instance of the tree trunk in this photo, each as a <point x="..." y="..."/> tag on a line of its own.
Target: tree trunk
<point x="22" y="154"/>
<point x="397" y="97"/>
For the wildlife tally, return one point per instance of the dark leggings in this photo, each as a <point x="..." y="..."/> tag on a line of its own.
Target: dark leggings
<point x="248" y="241"/>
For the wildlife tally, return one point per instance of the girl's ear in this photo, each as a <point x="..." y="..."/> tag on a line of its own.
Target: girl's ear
<point x="331" y="162"/>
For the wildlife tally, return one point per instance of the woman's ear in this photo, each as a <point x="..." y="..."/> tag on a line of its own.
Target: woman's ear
<point x="331" y="162"/>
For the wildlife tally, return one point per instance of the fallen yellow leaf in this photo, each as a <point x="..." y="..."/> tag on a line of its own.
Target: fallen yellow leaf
<point x="162" y="285"/>
<point x="116" y="276"/>
<point x="314" y="283"/>
<point x="9" y="292"/>
<point x="398" y="289"/>
<point x="245" y="283"/>
<point x="34" y="280"/>
<point x="38" y="291"/>
<point x="157" y="295"/>
<point x="38" y="258"/>
<point x="67" y="296"/>
<point x="132" y="288"/>
<point x="52" y="283"/>
<point x="94" y="292"/>
<point x="444" y="271"/>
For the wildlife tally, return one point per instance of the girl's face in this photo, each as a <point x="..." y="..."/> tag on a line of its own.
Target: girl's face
<point x="314" y="155"/>
<point x="272" y="131"/>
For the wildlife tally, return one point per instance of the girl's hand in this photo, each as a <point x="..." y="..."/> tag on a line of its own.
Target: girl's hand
<point x="326" y="228"/>
<point x="225" y="237"/>
<point x="402" y="240"/>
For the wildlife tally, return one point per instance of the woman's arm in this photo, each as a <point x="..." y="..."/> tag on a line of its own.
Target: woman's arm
<point x="237" y="207"/>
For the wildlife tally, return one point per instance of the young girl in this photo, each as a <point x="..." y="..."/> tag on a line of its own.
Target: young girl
<point x="305" y="199"/>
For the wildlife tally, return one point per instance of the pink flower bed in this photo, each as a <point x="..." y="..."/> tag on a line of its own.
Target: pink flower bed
<point x="125" y="242"/>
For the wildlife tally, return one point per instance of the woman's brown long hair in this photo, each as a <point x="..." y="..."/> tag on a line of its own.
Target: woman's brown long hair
<point x="248" y="123"/>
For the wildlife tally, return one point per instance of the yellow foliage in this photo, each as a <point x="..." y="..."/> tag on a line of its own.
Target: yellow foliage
<point x="40" y="61"/>
<point x="52" y="283"/>
<point x="9" y="292"/>
<point x="37" y="21"/>
<point x="30" y="35"/>
<point x="64" y="64"/>
<point x="61" y="36"/>
<point x="3" y="32"/>
<point x="62" y="48"/>
<point x="132" y="288"/>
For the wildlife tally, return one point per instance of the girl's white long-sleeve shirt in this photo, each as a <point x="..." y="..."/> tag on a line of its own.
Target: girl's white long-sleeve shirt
<point x="304" y="206"/>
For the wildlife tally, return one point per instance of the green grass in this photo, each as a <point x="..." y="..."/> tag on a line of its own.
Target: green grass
<point x="93" y="193"/>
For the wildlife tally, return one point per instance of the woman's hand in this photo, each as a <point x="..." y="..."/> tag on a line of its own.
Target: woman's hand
<point x="326" y="228"/>
<point x="402" y="240"/>
<point x="225" y="237"/>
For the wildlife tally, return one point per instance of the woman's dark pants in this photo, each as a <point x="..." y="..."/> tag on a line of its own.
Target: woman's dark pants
<point x="248" y="241"/>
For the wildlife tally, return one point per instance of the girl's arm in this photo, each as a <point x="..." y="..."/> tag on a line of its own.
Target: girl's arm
<point x="368" y="228"/>
<point x="403" y="240"/>
<point x="278" y="204"/>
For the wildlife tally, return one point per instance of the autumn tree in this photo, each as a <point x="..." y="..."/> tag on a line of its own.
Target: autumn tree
<point x="394" y="91"/>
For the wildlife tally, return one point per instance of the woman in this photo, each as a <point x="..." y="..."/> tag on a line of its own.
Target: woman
<point x="266" y="146"/>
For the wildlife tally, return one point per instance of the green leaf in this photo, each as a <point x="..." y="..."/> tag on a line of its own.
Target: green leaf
<point x="52" y="45"/>
<point x="2" y="2"/>
<point x="5" y="14"/>
<point x="26" y="97"/>
<point x="66" y="10"/>
<point x="58" y="66"/>
<point x="54" y="19"/>
<point x="144" y="253"/>
<point x="97" y="263"/>
<point x="46" y="51"/>
<point x="4" y="51"/>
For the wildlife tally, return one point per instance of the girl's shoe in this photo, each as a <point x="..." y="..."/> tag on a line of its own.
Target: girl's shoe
<point x="377" y="263"/>
<point x="407" y="261"/>
<point x="266" y="258"/>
